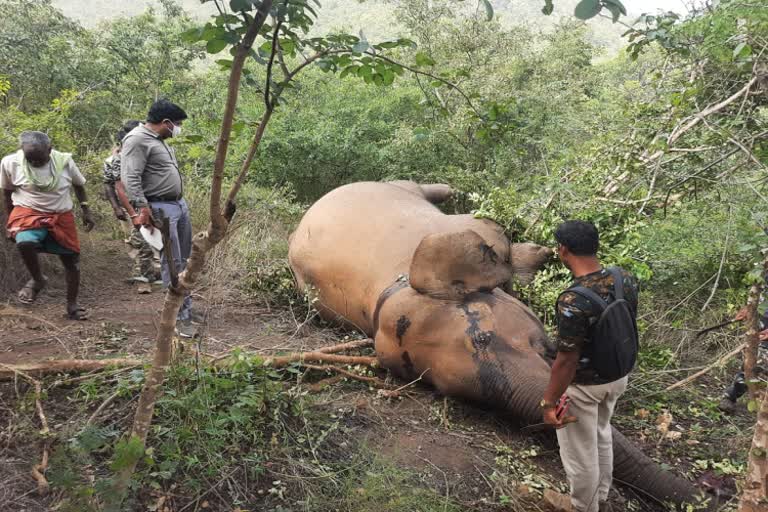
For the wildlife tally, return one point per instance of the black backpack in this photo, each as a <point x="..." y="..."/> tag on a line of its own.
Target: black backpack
<point x="614" y="344"/>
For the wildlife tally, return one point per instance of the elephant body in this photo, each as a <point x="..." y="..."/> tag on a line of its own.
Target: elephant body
<point x="427" y="287"/>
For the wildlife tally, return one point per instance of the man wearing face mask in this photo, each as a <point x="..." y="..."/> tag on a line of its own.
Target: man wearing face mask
<point x="153" y="182"/>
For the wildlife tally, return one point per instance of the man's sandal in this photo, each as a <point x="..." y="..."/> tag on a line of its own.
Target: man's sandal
<point x="76" y="313"/>
<point x="31" y="290"/>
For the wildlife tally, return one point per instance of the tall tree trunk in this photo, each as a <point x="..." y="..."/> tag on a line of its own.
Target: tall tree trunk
<point x="753" y="334"/>
<point x="755" y="495"/>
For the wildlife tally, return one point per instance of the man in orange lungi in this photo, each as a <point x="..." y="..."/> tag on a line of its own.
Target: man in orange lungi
<point x="37" y="182"/>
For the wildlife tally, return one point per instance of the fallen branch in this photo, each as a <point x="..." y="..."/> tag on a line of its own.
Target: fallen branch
<point x="396" y="392"/>
<point x="698" y="117"/>
<point x="321" y="357"/>
<point x="214" y="359"/>
<point x="106" y="403"/>
<point x="342" y="347"/>
<point x="7" y="371"/>
<point x="10" y="311"/>
<point x="37" y="473"/>
<point x="374" y="381"/>
<point x="698" y="374"/>
<point x="37" y="469"/>
<point x="39" y="406"/>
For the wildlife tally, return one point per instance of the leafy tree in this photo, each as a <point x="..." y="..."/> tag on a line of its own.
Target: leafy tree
<point x="285" y="52"/>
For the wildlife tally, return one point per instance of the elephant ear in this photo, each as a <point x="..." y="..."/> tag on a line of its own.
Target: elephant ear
<point x="527" y="259"/>
<point x="452" y="265"/>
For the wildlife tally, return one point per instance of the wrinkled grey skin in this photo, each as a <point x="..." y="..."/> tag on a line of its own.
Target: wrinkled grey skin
<point x="462" y="333"/>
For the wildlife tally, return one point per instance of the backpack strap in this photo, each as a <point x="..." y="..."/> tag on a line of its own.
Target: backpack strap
<point x="590" y="295"/>
<point x="618" y="283"/>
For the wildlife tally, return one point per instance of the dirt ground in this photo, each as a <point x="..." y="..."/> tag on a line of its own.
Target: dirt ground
<point x="454" y="445"/>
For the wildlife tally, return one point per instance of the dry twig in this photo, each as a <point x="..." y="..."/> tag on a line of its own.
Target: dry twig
<point x="37" y="469"/>
<point x="322" y="357"/>
<point x="106" y="403"/>
<point x="722" y="261"/>
<point x="374" y="381"/>
<point x="64" y="366"/>
<point x="396" y="392"/>
<point x="343" y="347"/>
<point x="720" y="361"/>
<point x="9" y="311"/>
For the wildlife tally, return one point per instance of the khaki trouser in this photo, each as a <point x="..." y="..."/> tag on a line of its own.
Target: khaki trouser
<point x="586" y="447"/>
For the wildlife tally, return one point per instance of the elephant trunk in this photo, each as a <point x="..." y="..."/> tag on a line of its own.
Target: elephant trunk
<point x="631" y="466"/>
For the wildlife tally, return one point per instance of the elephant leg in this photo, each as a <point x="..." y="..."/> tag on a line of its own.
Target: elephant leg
<point x="436" y="193"/>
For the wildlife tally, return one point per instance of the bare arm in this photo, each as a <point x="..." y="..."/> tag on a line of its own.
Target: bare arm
<point x="83" y="200"/>
<point x="109" y="191"/>
<point x="8" y="200"/>
<point x="123" y="198"/>
<point x="8" y="204"/>
<point x="563" y="372"/>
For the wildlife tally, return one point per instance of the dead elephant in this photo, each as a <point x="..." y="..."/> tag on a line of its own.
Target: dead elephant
<point x="426" y="287"/>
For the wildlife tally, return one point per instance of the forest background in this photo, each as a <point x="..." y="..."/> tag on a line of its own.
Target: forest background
<point x="554" y="128"/>
<point x="663" y="144"/>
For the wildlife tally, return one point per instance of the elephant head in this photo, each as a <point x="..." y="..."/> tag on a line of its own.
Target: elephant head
<point x="453" y="327"/>
<point x="427" y="287"/>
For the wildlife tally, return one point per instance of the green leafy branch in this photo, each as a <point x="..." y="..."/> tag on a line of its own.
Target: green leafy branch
<point x="587" y="9"/>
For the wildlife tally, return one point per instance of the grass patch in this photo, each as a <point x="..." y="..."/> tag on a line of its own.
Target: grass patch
<point x="246" y="437"/>
<point x="376" y="484"/>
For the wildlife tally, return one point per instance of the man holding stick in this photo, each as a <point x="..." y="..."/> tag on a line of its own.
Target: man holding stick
<point x="152" y="179"/>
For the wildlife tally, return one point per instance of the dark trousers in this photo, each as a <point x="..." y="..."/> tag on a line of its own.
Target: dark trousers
<point x="739" y="385"/>
<point x="177" y="214"/>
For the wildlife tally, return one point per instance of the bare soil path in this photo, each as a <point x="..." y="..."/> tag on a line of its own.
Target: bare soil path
<point x="122" y="322"/>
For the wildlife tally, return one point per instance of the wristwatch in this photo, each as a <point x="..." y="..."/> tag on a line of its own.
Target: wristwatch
<point x="546" y="404"/>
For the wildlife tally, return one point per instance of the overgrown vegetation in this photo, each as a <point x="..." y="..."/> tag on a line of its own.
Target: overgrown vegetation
<point x="663" y="147"/>
<point x="221" y="438"/>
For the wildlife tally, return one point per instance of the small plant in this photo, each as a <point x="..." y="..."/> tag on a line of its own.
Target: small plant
<point x="655" y="357"/>
<point x="237" y="421"/>
<point x="722" y="467"/>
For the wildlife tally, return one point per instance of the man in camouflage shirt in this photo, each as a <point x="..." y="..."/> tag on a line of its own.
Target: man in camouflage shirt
<point x="144" y="271"/>
<point x="586" y="446"/>
<point x="575" y="316"/>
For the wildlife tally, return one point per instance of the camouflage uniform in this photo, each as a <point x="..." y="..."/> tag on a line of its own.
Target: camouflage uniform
<point x="576" y="316"/>
<point x="586" y="447"/>
<point x="141" y="252"/>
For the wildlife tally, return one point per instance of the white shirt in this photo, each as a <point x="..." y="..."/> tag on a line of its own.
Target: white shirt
<point x="27" y="195"/>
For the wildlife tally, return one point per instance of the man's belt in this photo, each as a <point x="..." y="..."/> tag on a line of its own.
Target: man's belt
<point x="163" y="199"/>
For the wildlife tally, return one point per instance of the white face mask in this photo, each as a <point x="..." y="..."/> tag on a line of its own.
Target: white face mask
<point x="176" y="130"/>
